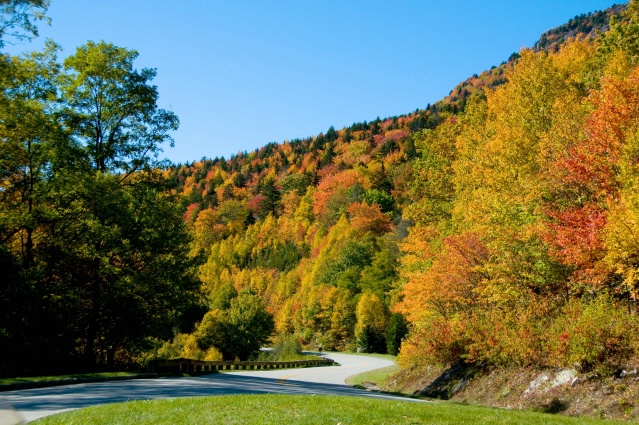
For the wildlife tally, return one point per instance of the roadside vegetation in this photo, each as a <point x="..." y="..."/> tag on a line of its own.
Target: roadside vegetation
<point x="373" y="379"/>
<point x="286" y="348"/>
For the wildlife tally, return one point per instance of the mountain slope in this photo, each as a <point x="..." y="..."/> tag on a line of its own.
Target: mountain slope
<point x="492" y="220"/>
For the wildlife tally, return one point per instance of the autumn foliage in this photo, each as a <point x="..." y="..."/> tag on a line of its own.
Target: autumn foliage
<point x="501" y="222"/>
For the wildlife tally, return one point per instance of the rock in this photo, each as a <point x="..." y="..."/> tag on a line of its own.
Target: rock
<point x="537" y="383"/>
<point x="566" y="376"/>
<point x="459" y="386"/>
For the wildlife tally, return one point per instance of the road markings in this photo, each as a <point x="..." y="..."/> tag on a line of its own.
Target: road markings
<point x="281" y="379"/>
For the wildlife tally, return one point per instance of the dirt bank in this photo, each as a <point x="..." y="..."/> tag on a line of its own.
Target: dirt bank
<point x="561" y="391"/>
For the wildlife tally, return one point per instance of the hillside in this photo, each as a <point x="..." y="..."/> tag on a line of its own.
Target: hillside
<point x="587" y="24"/>
<point x="336" y="231"/>
<point x="494" y="226"/>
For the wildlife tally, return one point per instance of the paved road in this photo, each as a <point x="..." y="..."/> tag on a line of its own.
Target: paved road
<point x="36" y="403"/>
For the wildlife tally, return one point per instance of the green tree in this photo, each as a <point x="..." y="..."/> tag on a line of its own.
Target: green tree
<point x="33" y="145"/>
<point x="297" y="183"/>
<point x="371" y="323"/>
<point x="113" y="109"/>
<point x="272" y="195"/>
<point x="381" y="274"/>
<point x="250" y="326"/>
<point x="370" y="340"/>
<point x="119" y="250"/>
<point x="18" y="17"/>
<point x="132" y="278"/>
<point x="395" y="332"/>
<point x="239" y="331"/>
<point x="37" y="168"/>
<point x="623" y="35"/>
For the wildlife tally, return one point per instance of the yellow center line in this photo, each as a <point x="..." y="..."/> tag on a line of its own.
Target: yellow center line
<point x="285" y="377"/>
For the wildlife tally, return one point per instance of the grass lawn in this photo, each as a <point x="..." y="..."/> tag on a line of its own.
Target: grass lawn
<point x="9" y="381"/>
<point x="287" y="409"/>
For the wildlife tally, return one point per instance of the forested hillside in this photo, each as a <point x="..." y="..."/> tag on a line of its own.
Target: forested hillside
<point x="498" y="222"/>
<point x="496" y="226"/>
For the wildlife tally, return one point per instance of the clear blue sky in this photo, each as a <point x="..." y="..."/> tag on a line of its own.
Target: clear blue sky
<point x="242" y="74"/>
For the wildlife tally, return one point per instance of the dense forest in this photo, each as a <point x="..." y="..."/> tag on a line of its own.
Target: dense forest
<point x="496" y="226"/>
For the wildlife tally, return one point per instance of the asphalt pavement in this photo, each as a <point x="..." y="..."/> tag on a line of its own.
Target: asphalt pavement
<point x="327" y="380"/>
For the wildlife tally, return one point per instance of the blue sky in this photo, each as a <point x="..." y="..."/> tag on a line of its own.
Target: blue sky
<point x="241" y="74"/>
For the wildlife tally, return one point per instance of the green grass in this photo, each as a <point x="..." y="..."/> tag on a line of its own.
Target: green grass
<point x="287" y="409"/>
<point x="377" y="376"/>
<point x="22" y="380"/>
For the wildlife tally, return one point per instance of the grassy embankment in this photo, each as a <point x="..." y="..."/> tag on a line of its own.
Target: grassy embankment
<point x="278" y="409"/>
<point x="373" y="378"/>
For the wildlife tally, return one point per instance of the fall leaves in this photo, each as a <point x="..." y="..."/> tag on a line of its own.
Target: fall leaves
<point x="542" y="238"/>
<point x="503" y="232"/>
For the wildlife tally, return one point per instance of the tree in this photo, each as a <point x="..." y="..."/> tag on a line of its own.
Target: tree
<point x="132" y="278"/>
<point x="449" y="282"/>
<point x="343" y="319"/>
<point x="34" y="146"/>
<point x="370" y="340"/>
<point x="113" y="109"/>
<point x="250" y="324"/>
<point x="395" y="332"/>
<point x="369" y="218"/>
<point x="119" y="250"/>
<point x="381" y="274"/>
<point x="239" y="331"/>
<point x="38" y="166"/>
<point x="271" y="193"/>
<point x="623" y="35"/>
<point x="371" y="323"/>
<point x="17" y="15"/>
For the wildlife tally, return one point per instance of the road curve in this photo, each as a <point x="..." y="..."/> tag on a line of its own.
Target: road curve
<point x="36" y="403"/>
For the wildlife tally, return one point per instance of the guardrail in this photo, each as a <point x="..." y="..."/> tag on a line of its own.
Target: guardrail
<point x="190" y="365"/>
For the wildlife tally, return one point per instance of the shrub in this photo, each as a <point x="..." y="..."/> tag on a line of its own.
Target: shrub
<point x="434" y="341"/>
<point x="597" y="335"/>
<point x="240" y="331"/>
<point x="285" y="348"/>
<point x="513" y="333"/>
<point x="173" y="349"/>
<point x="213" y="355"/>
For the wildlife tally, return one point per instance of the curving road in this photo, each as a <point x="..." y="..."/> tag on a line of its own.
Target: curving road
<point x="37" y="403"/>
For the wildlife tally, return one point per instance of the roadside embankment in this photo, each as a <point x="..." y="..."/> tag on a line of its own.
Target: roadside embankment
<point x="562" y="391"/>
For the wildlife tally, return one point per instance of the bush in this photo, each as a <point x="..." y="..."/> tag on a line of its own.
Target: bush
<point x="285" y="348"/>
<point x="435" y="341"/>
<point x="213" y="355"/>
<point x="597" y="335"/>
<point x="514" y="333"/>
<point x="191" y="349"/>
<point x="238" y="332"/>
<point x="173" y="349"/>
